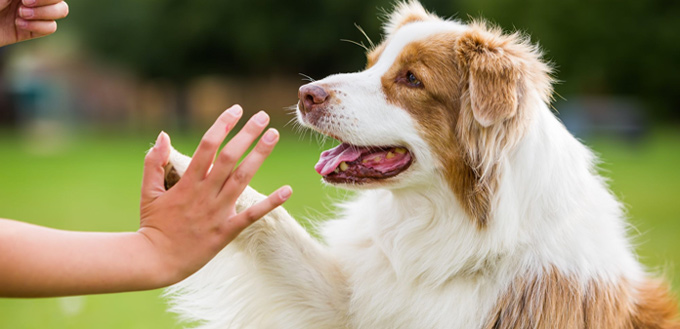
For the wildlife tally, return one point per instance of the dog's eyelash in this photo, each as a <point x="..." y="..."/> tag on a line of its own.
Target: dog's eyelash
<point x="413" y="80"/>
<point x="410" y="79"/>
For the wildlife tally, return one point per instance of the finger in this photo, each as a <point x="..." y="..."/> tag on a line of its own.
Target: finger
<point x="39" y="3"/>
<point x="154" y="175"/>
<point x="211" y="141"/>
<point x="35" y="29"/>
<point x="238" y="180"/>
<point x="258" y="210"/>
<point x="45" y="13"/>
<point x="235" y="148"/>
<point x="23" y="34"/>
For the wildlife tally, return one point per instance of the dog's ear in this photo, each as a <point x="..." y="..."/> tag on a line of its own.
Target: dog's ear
<point x="493" y="74"/>
<point x="406" y="12"/>
<point x="174" y="170"/>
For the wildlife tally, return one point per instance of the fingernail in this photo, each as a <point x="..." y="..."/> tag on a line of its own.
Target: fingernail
<point x="235" y="111"/>
<point x="26" y="12"/>
<point x="158" y="139"/>
<point x="285" y="193"/>
<point x="261" y="118"/>
<point x="21" y="23"/>
<point x="270" y="136"/>
<point x="29" y="2"/>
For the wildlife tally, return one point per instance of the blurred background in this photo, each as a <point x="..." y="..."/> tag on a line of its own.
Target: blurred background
<point x="78" y="110"/>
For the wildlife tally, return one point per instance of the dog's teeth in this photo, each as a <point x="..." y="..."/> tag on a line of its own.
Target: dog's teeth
<point x="337" y="170"/>
<point x="389" y="155"/>
<point x="377" y="159"/>
<point x="364" y="161"/>
<point x="400" y="150"/>
<point x="343" y="166"/>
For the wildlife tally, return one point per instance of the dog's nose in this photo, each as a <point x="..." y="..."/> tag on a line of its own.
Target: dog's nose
<point x="311" y="96"/>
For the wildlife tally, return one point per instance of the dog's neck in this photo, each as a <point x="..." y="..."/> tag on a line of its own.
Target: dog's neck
<point x="407" y="224"/>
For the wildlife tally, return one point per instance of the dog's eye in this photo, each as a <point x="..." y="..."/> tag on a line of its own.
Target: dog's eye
<point x="412" y="80"/>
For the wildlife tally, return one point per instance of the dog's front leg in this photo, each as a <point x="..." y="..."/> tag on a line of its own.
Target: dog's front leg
<point x="274" y="275"/>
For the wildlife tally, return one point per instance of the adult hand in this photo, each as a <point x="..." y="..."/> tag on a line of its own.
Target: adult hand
<point x="29" y="19"/>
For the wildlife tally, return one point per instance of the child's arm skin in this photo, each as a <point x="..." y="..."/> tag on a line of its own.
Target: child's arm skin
<point x="180" y="229"/>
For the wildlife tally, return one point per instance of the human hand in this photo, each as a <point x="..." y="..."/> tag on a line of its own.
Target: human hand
<point x="29" y="19"/>
<point x="190" y="223"/>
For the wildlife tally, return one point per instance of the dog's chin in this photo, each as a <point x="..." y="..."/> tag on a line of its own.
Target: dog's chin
<point x="366" y="184"/>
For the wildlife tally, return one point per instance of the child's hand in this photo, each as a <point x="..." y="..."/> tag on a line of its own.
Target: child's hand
<point x="28" y="19"/>
<point x="180" y="230"/>
<point x="190" y="223"/>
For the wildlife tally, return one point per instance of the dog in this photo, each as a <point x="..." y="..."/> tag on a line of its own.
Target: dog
<point x="475" y="208"/>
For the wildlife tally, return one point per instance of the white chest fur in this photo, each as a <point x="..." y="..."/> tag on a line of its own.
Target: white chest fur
<point x="410" y="267"/>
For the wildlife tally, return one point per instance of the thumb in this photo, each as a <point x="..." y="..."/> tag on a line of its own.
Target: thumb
<point x="154" y="175"/>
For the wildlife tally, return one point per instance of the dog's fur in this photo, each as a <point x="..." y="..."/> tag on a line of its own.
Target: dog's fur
<point x="501" y="221"/>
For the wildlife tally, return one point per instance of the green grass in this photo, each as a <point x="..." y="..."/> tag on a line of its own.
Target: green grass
<point x="91" y="182"/>
<point x="646" y="178"/>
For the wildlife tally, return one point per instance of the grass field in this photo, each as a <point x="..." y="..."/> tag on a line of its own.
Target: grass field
<point x="93" y="182"/>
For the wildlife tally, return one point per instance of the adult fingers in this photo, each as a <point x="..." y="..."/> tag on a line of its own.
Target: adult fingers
<point x="50" y="12"/>
<point x="232" y="152"/>
<point x="153" y="179"/>
<point x="211" y="141"/>
<point x="257" y="211"/>
<point x="39" y="3"/>
<point x="34" y="29"/>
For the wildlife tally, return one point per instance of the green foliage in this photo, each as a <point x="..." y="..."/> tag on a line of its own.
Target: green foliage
<point x="180" y="39"/>
<point x="617" y="47"/>
<point x="620" y="47"/>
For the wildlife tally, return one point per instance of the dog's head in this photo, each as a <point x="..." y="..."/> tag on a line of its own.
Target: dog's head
<point x="438" y="100"/>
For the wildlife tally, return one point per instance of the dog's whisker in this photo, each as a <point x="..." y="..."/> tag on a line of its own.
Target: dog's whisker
<point x="293" y="121"/>
<point x="370" y="42"/>
<point x="307" y="77"/>
<point x="320" y="139"/>
<point x="360" y="44"/>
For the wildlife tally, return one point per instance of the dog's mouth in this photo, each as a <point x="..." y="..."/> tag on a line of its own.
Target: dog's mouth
<point x="348" y="163"/>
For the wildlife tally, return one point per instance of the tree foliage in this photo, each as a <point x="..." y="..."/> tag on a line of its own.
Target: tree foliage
<point x="180" y="38"/>
<point x="623" y="47"/>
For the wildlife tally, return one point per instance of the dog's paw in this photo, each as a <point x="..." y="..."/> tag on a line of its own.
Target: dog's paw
<point x="175" y="168"/>
<point x="177" y="165"/>
<point x="171" y="176"/>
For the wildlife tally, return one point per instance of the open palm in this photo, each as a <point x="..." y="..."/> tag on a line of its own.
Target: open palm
<point x="28" y="19"/>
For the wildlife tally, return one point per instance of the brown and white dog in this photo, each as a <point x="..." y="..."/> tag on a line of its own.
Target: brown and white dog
<point x="476" y="209"/>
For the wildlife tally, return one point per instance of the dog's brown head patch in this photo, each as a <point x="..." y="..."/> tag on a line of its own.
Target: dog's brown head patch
<point x="468" y="91"/>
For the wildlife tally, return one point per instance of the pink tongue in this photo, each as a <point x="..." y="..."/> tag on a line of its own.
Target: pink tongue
<point x="330" y="159"/>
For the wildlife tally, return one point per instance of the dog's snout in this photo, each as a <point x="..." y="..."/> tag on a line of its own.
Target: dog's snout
<point x="311" y="96"/>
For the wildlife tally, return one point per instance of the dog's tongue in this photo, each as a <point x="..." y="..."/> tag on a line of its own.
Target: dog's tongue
<point x="330" y="159"/>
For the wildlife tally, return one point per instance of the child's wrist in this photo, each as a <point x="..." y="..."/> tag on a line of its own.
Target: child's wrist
<point x="160" y="270"/>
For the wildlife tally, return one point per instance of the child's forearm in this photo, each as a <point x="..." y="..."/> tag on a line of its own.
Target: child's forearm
<point x="181" y="229"/>
<point x="38" y="262"/>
